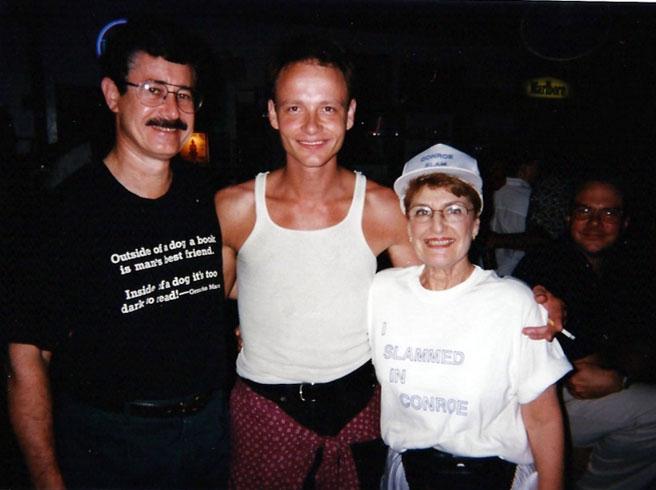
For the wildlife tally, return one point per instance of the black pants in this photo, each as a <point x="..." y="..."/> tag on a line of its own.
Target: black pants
<point x="432" y="469"/>
<point x="97" y="449"/>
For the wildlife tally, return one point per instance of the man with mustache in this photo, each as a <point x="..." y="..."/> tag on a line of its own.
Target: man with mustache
<point x="117" y="379"/>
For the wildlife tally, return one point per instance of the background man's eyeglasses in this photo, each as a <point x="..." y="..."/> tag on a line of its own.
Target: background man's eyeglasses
<point x="606" y="215"/>
<point x="153" y="93"/>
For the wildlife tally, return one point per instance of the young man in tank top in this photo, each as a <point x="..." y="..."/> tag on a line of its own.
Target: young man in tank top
<point x="301" y="243"/>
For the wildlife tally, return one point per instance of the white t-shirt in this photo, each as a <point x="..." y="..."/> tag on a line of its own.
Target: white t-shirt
<point x="454" y="366"/>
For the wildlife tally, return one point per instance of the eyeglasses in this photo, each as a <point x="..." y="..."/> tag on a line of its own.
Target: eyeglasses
<point x="453" y="213"/>
<point x="153" y="93"/>
<point x="605" y="215"/>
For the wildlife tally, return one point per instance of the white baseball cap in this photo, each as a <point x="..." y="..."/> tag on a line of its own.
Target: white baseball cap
<point x="442" y="159"/>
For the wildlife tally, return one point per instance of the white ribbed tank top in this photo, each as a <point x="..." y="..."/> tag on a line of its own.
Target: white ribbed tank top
<point x="303" y="297"/>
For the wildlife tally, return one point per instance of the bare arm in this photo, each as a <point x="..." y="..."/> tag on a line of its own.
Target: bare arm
<point x="402" y="255"/>
<point x="591" y="380"/>
<point x="385" y="226"/>
<point x="401" y="252"/>
<point x="235" y="209"/>
<point x="544" y="425"/>
<point x="229" y="258"/>
<point x="30" y="411"/>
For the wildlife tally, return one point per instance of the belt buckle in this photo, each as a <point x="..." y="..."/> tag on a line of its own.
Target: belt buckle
<point x="184" y="407"/>
<point x="198" y="402"/>
<point x="300" y="393"/>
<point x="190" y="406"/>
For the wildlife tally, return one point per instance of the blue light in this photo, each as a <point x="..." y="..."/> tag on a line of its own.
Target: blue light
<point x="103" y="31"/>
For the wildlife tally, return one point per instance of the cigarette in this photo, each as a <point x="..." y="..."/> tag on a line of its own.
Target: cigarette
<point x="564" y="331"/>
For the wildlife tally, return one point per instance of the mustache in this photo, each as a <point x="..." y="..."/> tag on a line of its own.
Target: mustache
<point x="168" y="123"/>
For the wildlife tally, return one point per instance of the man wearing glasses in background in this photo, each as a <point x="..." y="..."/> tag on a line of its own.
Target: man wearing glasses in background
<point x="117" y="373"/>
<point x="610" y="398"/>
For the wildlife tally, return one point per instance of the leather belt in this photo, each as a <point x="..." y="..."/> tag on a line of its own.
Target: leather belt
<point x="156" y="408"/>
<point x="168" y="408"/>
<point x="362" y="380"/>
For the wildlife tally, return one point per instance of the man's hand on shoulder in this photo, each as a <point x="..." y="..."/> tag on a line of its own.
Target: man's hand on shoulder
<point x="556" y="310"/>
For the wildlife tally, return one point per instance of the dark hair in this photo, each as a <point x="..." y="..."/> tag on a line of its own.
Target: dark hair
<point x="151" y="36"/>
<point x="512" y="155"/>
<point x="311" y="48"/>
<point x="602" y="177"/>
<point x="438" y="180"/>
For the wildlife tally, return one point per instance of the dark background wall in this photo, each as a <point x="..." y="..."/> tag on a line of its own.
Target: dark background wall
<point x="429" y="71"/>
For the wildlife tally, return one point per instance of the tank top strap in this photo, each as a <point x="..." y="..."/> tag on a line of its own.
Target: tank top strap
<point x="261" y="213"/>
<point x="357" y="205"/>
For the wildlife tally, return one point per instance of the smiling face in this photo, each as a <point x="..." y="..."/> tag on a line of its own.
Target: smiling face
<point x="312" y="113"/>
<point x="438" y="244"/>
<point x="150" y="132"/>
<point x="594" y="234"/>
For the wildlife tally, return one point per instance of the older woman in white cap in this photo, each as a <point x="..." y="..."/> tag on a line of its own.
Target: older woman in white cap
<point x="467" y="400"/>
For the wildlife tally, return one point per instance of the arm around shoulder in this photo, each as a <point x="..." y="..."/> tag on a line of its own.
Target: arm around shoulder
<point x="385" y="226"/>
<point x="30" y="412"/>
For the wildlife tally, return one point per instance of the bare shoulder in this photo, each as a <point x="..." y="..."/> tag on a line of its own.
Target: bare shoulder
<point x="382" y="210"/>
<point x="385" y="226"/>
<point x="229" y="197"/>
<point x="383" y="198"/>
<point x="235" y="208"/>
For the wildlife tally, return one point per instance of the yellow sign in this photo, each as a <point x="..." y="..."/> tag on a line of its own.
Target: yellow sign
<point x="196" y="149"/>
<point x="547" y="88"/>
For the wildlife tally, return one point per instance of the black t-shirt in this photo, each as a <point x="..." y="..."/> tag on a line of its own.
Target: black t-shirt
<point x="128" y="292"/>
<point x="606" y="310"/>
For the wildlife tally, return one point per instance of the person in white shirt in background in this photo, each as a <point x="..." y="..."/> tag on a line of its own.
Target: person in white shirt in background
<point x="510" y="211"/>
